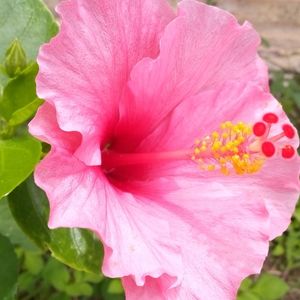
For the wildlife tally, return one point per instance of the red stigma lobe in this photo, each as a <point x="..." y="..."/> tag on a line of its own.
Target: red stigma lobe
<point x="268" y="149"/>
<point x="288" y="130"/>
<point x="270" y="118"/>
<point x="288" y="151"/>
<point x="259" y="128"/>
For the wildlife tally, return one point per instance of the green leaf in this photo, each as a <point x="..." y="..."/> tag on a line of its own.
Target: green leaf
<point x="278" y="250"/>
<point x="5" y="130"/>
<point x="79" y="289"/>
<point x="33" y="262"/>
<point x="112" y="289"/>
<point x="30" y="22"/>
<point x="56" y="274"/>
<point x="8" y="269"/>
<point x="19" y="92"/>
<point x="77" y="248"/>
<point x="27" y="20"/>
<point x="293" y="247"/>
<point x="248" y="296"/>
<point x="27" y="282"/>
<point x="10" y="229"/>
<point x="297" y="214"/>
<point x="59" y="296"/>
<point x="115" y="287"/>
<point x="93" y="278"/>
<point x="270" y="287"/>
<point x="18" y="156"/>
<point x="246" y="284"/>
<point x="23" y="114"/>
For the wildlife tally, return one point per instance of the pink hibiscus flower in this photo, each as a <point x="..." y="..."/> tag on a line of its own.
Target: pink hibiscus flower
<point x="166" y="143"/>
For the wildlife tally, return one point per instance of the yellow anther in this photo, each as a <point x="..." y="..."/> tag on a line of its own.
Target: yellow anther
<point x="222" y="160"/>
<point x="236" y="143"/>
<point x="235" y="150"/>
<point x="216" y="145"/>
<point x="224" y="170"/>
<point x="241" y="139"/>
<point x="236" y="129"/>
<point x="246" y="156"/>
<point x="197" y="150"/>
<point x="248" y="130"/>
<point x="223" y="149"/>
<point x="225" y="135"/>
<point x="211" y="167"/>
<point x="215" y="135"/>
<point x="229" y="145"/>
<point x="235" y="157"/>
<point x="228" y="149"/>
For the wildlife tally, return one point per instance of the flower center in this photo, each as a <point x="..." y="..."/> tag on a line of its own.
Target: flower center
<point x="238" y="148"/>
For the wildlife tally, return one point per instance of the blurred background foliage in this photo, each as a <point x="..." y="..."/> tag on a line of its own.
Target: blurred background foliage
<point x="64" y="264"/>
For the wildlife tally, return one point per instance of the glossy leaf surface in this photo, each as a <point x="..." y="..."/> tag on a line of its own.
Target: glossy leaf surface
<point x="18" y="157"/>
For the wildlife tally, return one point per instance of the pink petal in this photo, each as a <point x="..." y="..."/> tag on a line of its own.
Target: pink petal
<point x="200" y="115"/>
<point x="278" y="182"/>
<point x="230" y="216"/>
<point x="200" y="49"/>
<point x="154" y="289"/>
<point x="44" y="127"/>
<point x="83" y="70"/>
<point x="262" y="73"/>
<point x="215" y="223"/>
<point x="134" y="230"/>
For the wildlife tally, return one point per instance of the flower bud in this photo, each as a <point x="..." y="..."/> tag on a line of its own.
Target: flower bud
<point x="15" y="59"/>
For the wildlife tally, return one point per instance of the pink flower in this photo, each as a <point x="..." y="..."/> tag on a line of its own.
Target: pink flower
<point x="166" y="143"/>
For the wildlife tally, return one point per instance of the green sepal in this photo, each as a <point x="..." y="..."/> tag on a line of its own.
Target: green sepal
<point x="15" y="59"/>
